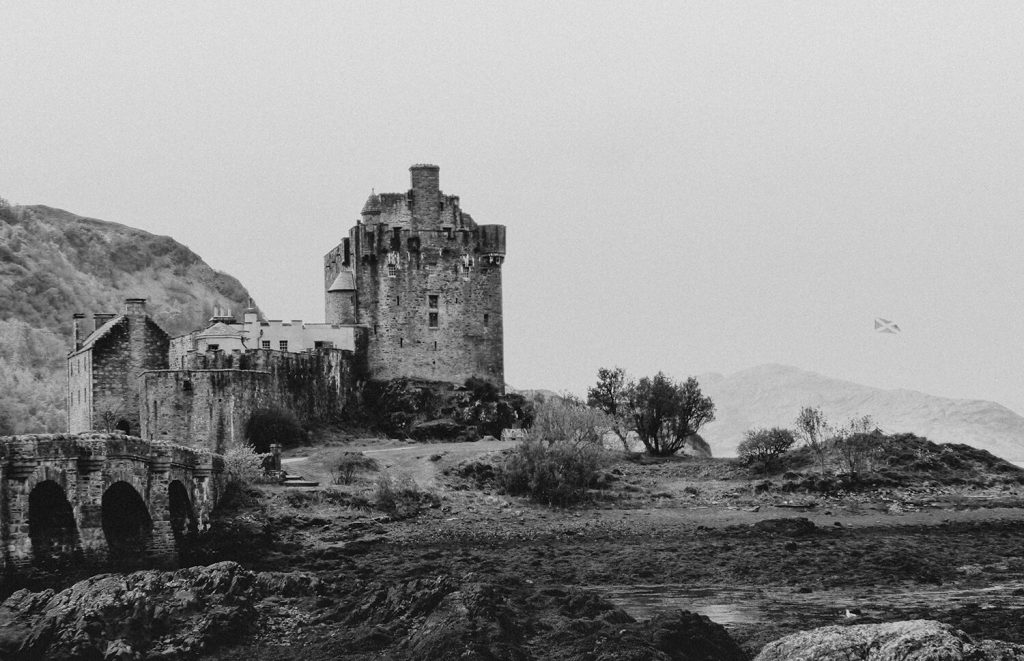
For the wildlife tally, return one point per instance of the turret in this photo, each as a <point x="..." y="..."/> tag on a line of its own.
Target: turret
<point x="341" y="303"/>
<point x="492" y="243"/>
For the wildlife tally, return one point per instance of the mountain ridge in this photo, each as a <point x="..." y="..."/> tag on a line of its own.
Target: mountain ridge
<point x="772" y="395"/>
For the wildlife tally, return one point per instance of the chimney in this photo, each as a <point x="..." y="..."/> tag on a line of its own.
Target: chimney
<point x="135" y="307"/>
<point x="76" y="329"/>
<point x="426" y="194"/>
<point x="100" y="318"/>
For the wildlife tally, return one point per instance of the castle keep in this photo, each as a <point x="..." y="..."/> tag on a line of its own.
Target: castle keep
<point x="425" y="281"/>
<point x="413" y="292"/>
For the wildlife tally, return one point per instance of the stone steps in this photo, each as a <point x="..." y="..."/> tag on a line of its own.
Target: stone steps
<point x="291" y="480"/>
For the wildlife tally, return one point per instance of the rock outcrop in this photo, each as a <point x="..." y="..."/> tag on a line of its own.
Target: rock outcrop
<point x="146" y="614"/>
<point x="915" y="640"/>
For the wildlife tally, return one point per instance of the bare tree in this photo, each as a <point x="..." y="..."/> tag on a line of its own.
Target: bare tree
<point x="813" y="429"/>
<point x="858" y="443"/>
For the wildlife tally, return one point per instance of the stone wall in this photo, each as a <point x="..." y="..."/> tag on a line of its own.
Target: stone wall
<point x="84" y="468"/>
<point x="209" y="403"/>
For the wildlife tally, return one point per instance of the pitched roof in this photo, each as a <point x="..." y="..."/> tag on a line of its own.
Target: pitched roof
<point x="100" y="332"/>
<point x="219" y="330"/>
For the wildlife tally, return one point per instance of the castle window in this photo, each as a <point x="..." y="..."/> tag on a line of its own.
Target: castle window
<point x="487" y="318"/>
<point x="398" y="300"/>
<point x="392" y="270"/>
<point x="323" y="344"/>
<point x="283" y="345"/>
<point x="375" y="329"/>
<point x="435" y="345"/>
<point x="432" y="301"/>
<point x="265" y="344"/>
<point x="401" y="342"/>
<point x="433" y="320"/>
<point x="213" y="347"/>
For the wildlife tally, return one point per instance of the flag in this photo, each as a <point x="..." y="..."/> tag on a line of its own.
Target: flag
<point x="886" y="326"/>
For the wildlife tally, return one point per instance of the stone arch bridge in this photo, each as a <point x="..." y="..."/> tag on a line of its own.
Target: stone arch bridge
<point x="101" y="499"/>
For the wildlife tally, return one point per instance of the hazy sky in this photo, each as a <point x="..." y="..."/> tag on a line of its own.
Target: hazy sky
<point x="690" y="187"/>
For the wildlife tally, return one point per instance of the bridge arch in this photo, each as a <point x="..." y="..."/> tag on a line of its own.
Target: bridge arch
<point x="51" y="526"/>
<point x="183" y="514"/>
<point x="127" y="525"/>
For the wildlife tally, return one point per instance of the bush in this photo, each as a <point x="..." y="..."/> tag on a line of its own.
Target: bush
<point x="562" y="420"/>
<point x="400" y="496"/>
<point x="665" y="413"/>
<point x="273" y="425"/>
<point x="243" y="465"/>
<point x="349" y="464"/>
<point x="765" y="446"/>
<point x="555" y="473"/>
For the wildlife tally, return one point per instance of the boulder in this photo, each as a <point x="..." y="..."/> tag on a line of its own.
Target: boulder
<point x="145" y="614"/>
<point x="915" y="640"/>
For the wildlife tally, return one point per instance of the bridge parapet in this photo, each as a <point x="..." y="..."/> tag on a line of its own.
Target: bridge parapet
<point x="101" y="498"/>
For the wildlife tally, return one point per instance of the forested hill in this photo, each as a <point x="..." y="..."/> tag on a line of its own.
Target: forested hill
<point x="54" y="264"/>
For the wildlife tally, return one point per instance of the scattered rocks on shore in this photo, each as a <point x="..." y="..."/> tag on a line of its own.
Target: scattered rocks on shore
<point x="146" y="614"/>
<point x="915" y="640"/>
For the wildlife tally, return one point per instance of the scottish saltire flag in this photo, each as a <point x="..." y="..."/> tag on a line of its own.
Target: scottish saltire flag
<point x="886" y="326"/>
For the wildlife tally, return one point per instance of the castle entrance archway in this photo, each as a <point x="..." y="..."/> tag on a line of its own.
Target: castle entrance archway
<point x="127" y="525"/>
<point x="51" y="526"/>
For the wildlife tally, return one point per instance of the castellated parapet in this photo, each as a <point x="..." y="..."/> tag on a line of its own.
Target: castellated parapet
<point x="424" y="279"/>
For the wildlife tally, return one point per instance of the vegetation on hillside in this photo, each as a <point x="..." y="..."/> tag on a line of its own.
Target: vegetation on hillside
<point x="53" y="264"/>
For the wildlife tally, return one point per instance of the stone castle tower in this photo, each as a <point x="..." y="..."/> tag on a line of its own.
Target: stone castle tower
<point x="425" y="281"/>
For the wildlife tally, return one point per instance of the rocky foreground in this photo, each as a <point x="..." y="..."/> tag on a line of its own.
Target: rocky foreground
<point x="460" y="570"/>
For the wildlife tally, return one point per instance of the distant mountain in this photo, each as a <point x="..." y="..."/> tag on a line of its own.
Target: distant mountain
<point x="54" y="264"/>
<point x="772" y="395"/>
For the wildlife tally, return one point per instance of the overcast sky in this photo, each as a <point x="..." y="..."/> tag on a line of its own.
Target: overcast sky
<point x="690" y="187"/>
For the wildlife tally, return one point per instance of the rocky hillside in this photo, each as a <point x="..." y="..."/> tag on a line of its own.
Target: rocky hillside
<point x="772" y="395"/>
<point x="53" y="264"/>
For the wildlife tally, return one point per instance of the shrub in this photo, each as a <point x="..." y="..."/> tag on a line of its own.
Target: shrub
<point x="665" y="413"/>
<point x="273" y="425"/>
<point x="555" y="473"/>
<point x="400" y="496"/>
<point x="243" y="465"/>
<point x="562" y="420"/>
<point x="349" y="464"/>
<point x="764" y="446"/>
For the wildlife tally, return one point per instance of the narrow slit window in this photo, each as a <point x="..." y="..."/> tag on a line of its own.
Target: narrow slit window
<point x="401" y="342"/>
<point x="487" y="319"/>
<point x="398" y="300"/>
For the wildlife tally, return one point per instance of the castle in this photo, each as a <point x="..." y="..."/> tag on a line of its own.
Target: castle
<point x="414" y="292"/>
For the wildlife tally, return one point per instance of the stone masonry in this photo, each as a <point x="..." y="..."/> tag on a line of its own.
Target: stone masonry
<point x="425" y="281"/>
<point x="84" y="499"/>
